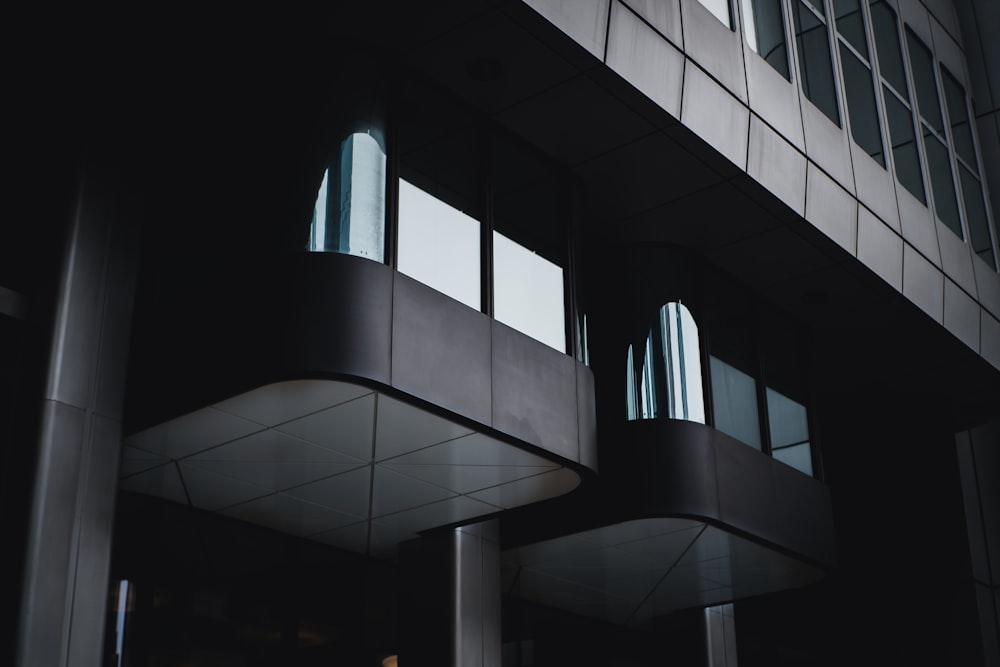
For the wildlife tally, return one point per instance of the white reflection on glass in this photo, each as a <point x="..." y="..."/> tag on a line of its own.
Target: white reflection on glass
<point x="528" y="292"/>
<point x="671" y="385"/>
<point x="124" y="590"/>
<point x="631" y="408"/>
<point x="438" y="245"/>
<point x="351" y="219"/>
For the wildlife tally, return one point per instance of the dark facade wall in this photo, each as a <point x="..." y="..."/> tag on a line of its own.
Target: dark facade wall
<point x="900" y="592"/>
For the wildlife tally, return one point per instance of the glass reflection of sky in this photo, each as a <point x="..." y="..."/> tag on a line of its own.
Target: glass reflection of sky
<point x="528" y="292"/>
<point x="438" y="245"/>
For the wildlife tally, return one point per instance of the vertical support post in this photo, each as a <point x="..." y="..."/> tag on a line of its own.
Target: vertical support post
<point x="720" y="636"/>
<point x="450" y="603"/>
<point x="68" y="552"/>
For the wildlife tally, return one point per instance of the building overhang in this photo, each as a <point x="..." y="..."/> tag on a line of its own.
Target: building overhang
<point x="365" y="409"/>
<point x="700" y="519"/>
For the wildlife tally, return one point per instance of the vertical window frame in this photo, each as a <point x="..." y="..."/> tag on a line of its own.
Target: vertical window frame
<point x="866" y="60"/>
<point x="925" y="125"/>
<point x="902" y="97"/>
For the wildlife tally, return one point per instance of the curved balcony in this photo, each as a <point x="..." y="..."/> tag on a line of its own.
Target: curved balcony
<point x="364" y="409"/>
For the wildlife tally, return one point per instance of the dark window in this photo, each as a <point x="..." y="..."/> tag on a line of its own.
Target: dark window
<point x="976" y="217"/>
<point x="862" y="108"/>
<point x="899" y="113"/>
<point x="815" y="63"/>
<point x="764" y="25"/>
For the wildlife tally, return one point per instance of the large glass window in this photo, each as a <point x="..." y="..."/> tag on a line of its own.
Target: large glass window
<point x="890" y="56"/>
<point x="438" y="245"/>
<point x="528" y="292"/>
<point x="788" y="429"/>
<point x="734" y="403"/>
<point x="861" y="105"/>
<point x="933" y="132"/>
<point x="530" y="220"/>
<point x="764" y="25"/>
<point x="812" y="42"/>
<point x="905" y="156"/>
<point x="349" y="214"/>
<point x="895" y="92"/>
<point x="968" y="170"/>
<point x="670" y="383"/>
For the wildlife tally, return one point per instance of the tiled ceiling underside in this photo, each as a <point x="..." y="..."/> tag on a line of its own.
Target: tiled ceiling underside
<point x="337" y="463"/>
<point x="632" y="572"/>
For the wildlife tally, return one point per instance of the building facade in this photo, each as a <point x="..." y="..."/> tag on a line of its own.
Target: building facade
<point x="505" y="333"/>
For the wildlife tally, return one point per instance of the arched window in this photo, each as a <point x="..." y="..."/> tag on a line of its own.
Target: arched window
<point x="669" y="383"/>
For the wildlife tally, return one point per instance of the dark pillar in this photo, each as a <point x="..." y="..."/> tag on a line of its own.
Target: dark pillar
<point x="450" y="602"/>
<point x="978" y="600"/>
<point x="70" y="513"/>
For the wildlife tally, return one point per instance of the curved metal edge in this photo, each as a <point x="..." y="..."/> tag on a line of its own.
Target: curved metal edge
<point x="691" y="470"/>
<point x="335" y="316"/>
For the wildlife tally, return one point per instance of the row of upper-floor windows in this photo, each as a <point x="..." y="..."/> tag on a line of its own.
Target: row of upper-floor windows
<point x="924" y="136"/>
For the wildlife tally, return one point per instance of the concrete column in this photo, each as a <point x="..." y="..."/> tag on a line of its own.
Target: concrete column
<point x="450" y="602"/>
<point x="720" y="636"/>
<point x="70" y="517"/>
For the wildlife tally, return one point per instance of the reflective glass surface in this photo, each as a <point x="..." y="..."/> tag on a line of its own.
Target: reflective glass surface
<point x="764" y="25"/>
<point x="788" y="424"/>
<point x="671" y="384"/>
<point x="851" y="24"/>
<point x="943" y="187"/>
<point x="890" y="57"/>
<point x="905" y="156"/>
<point x="815" y="63"/>
<point x="797" y="456"/>
<point x="861" y="105"/>
<point x="349" y="214"/>
<point x="922" y="66"/>
<point x="958" y="118"/>
<point x="438" y="245"/>
<point x="975" y="214"/>
<point x="528" y="292"/>
<point x="734" y="403"/>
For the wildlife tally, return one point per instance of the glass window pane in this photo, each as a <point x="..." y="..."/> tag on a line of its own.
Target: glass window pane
<point x="787" y="421"/>
<point x="671" y="371"/>
<point x="349" y="214"/>
<point x="975" y="213"/>
<point x="765" y="31"/>
<point x="928" y="103"/>
<point x="818" y="6"/>
<point x="861" y="105"/>
<point x="799" y="457"/>
<point x="719" y="9"/>
<point x="904" y="145"/>
<point x="528" y="292"/>
<point x="631" y="401"/>
<point x="734" y="403"/>
<point x="850" y="23"/>
<point x="815" y="63"/>
<point x="890" y="56"/>
<point x="438" y="245"/>
<point x="958" y="117"/>
<point x="942" y="185"/>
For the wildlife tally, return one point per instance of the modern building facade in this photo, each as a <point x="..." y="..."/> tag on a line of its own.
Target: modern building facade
<point x="505" y="333"/>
